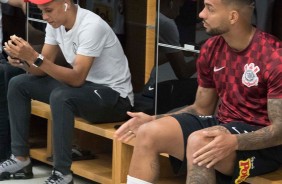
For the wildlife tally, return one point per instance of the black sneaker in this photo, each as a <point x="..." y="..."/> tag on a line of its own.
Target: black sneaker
<point x="58" y="178"/>
<point x="15" y="169"/>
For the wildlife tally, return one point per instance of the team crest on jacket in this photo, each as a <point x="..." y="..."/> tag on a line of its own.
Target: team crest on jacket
<point x="250" y="77"/>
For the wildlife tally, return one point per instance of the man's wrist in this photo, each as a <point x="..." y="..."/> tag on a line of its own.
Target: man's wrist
<point x="25" y="66"/>
<point x="38" y="61"/>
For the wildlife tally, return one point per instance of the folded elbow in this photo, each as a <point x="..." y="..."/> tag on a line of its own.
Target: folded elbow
<point x="76" y="83"/>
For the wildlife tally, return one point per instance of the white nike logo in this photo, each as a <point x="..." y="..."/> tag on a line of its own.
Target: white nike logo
<point x="215" y="69"/>
<point x="151" y="88"/>
<point x="96" y="92"/>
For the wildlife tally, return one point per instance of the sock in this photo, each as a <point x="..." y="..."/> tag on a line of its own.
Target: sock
<point x="132" y="180"/>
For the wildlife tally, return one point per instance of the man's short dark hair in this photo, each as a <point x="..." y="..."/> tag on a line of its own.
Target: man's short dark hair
<point x="240" y="2"/>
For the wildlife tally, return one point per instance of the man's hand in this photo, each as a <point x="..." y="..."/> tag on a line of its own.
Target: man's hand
<point x="221" y="146"/>
<point x="21" y="49"/>
<point x="129" y="129"/>
<point x="15" y="62"/>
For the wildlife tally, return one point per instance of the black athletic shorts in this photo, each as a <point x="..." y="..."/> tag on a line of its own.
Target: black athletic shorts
<point x="248" y="163"/>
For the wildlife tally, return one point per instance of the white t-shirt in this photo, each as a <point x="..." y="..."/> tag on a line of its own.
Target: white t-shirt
<point x="92" y="36"/>
<point x="1" y="32"/>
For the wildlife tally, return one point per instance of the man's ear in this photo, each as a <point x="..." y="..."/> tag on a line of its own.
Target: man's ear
<point x="233" y="17"/>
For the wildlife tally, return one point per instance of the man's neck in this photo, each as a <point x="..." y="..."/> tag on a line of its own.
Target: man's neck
<point x="240" y="39"/>
<point x="72" y="17"/>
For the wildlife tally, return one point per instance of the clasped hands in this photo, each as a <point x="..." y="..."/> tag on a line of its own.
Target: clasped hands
<point x="19" y="51"/>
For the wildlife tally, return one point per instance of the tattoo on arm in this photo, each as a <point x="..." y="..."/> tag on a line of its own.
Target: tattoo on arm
<point x="268" y="136"/>
<point x="188" y="109"/>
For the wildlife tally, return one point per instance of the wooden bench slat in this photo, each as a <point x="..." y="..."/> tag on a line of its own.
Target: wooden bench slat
<point x="106" y="129"/>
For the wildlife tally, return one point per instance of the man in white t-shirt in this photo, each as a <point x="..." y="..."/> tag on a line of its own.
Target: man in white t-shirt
<point x="6" y="72"/>
<point x="97" y="86"/>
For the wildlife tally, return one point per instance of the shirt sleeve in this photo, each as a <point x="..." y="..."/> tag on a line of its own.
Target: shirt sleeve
<point x="49" y="36"/>
<point x="93" y="45"/>
<point x="204" y="68"/>
<point x="274" y="75"/>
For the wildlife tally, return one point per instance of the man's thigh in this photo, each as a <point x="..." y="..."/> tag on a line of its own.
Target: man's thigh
<point x="37" y="87"/>
<point x="253" y="162"/>
<point x="189" y="123"/>
<point x="94" y="102"/>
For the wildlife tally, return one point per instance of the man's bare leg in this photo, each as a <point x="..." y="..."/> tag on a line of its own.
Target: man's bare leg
<point x="200" y="174"/>
<point x="160" y="136"/>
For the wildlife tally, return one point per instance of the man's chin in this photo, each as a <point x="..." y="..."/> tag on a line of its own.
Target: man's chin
<point x="213" y="33"/>
<point x="209" y="32"/>
<point x="54" y="25"/>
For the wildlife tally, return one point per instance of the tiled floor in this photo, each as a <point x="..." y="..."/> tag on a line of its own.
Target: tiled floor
<point x="41" y="172"/>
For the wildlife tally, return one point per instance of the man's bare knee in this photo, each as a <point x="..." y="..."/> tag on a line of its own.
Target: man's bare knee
<point x="147" y="137"/>
<point x="161" y="136"/>
<point x="196" y="140"/>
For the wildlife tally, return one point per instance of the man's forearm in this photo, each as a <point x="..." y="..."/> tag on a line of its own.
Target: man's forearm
<point x="263" y="138"/>
<point x="189" y="109"/>
<point x="268" y="136"/>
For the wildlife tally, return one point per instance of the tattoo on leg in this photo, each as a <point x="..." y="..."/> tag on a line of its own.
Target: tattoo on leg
<point x="155" y="166"/>
<point x="201" y="175"/>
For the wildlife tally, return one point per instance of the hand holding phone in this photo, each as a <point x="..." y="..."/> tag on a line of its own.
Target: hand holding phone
<point x="9" y="53"/>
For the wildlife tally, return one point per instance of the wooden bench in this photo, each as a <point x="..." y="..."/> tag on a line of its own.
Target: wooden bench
<point x="107" y="168"/>
<point x="270" y="178"/>
<point x="112" y="168"/>
<point x="99" y="169"/>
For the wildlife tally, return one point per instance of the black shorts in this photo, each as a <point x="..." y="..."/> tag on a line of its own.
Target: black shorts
<point x="248" y="163"/>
